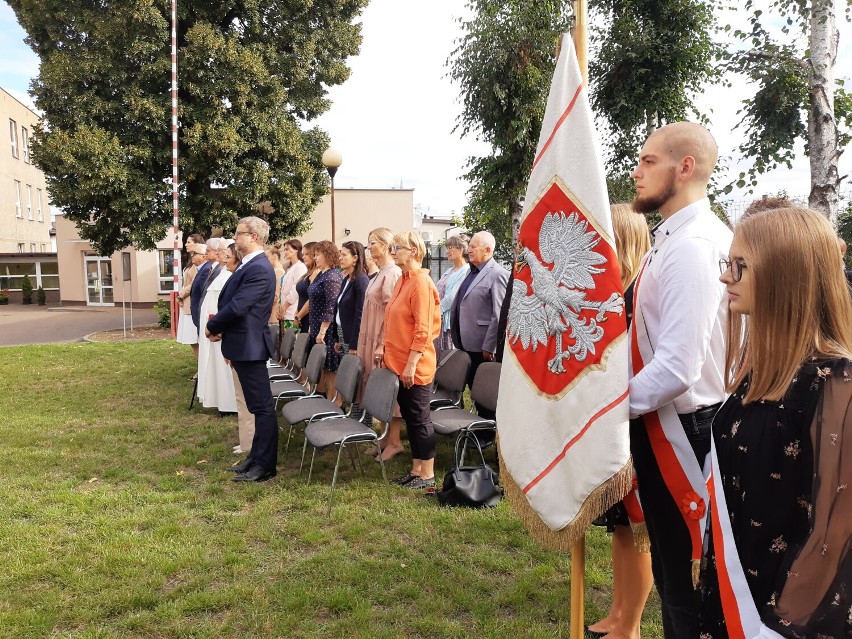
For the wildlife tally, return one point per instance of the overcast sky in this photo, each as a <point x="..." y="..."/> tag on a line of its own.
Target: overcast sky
<point x="393" y="119"/>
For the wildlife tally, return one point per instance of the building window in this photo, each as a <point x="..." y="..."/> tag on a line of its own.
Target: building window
<point x="39" y="216"/>
<point x="166" y="271"/>
<point x="18" y="212"/>
<point x="29" y="202"/>
<point x="25" y="144"/>
<point x="13" y="133"/>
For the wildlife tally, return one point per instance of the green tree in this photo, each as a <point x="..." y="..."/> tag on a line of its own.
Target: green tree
<point x="650" y="58"/>
<point x="503" y="65"/>
<point x="251" y="74"/>
<point x="796" y="98"/>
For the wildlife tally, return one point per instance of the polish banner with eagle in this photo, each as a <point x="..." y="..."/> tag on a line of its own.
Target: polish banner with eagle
<point x="562" y="412"/>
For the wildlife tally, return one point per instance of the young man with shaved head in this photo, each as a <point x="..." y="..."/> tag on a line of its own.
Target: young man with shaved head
<point x="677" y="359"/>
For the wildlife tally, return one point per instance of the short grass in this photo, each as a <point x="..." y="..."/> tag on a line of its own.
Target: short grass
<point x="117" y="520"/>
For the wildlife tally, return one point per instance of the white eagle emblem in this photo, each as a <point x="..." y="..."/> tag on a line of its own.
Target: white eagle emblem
<point x="559" y="294"/>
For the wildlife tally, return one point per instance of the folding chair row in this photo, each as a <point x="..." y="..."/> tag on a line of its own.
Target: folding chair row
<point x="290" y="389"/>
<point x="294" y="351"/>
<point x="311" y="408"/>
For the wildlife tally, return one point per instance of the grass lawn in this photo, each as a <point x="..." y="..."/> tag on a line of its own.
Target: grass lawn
<point x="118" y="520"/>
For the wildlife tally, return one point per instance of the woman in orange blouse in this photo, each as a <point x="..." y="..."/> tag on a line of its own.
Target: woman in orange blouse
<point x="412" y="322"/>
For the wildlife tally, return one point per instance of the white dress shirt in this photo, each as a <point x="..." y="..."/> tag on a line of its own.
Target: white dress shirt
<point x="685" y="310"/>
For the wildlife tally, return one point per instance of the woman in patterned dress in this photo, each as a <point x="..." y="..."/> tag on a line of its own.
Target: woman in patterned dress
<point x="778" y="561"/>
<point x="322" y="301"/>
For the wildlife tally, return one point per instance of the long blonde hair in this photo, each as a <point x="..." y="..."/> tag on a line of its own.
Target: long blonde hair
<point x="801" y="305"/>
<point x="632" y="240"/>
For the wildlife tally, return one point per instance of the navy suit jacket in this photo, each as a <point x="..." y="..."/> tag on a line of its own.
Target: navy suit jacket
<point x="245" y="305"/>
<point x="350" y="307"/>
<point x="196" y="293"/>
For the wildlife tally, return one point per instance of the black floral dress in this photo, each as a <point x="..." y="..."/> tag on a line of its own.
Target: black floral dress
<point x="766" y="468"/>
<point x="322" y="294"/>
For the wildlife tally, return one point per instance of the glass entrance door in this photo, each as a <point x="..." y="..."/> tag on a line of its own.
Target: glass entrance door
<point x="99" y="281"/>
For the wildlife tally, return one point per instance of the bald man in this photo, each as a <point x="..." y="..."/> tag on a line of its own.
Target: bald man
<point x="677" y="384"/>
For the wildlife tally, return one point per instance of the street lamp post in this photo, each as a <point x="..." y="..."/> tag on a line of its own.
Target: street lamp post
<point x="332" y="159"/>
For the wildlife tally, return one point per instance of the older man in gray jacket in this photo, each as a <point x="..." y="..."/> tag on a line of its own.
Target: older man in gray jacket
<point x="476" y="311"/>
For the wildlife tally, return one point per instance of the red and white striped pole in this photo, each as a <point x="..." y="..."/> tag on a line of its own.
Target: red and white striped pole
<point x="175" y="192"/>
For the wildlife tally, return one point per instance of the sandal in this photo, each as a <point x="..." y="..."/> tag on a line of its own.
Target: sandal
<point x="420" y="484"/>
<point x="405" y="479"/>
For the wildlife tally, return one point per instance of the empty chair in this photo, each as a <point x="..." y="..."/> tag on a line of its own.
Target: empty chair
<point x="290" y="389"/>
<point x="450" y="378"/>
<point x="288" y="355"/>
<point x="379" y="398"/>
<point x="309" y="409"/>
<point x="452" y="421"/>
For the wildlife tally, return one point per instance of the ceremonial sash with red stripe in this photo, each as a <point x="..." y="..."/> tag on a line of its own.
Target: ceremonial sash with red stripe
<point x="741" y="617"/>
<point x="680" y="470"/>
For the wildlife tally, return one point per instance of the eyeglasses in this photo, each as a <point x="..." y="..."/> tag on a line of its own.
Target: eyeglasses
<point x="736" y="267"/>
<point x="394" y="249"/>
<point x="238" y="233"/>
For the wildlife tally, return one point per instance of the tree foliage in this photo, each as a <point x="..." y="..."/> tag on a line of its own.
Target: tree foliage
<point x="651" y="57"/>
<point x="784" y="56"/>
<point x="503" y="64"/>
<point x="251" y="74"/>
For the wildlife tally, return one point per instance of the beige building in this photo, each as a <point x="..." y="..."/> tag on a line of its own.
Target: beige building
<point x="90" y="279"/>
<point x="358" y="211"/>
<point x="25" y="219"/>
<point x="24" y="206"/>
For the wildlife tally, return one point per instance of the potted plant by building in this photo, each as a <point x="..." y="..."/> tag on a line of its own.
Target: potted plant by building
<point x="27" y="290"/>
<point x="41" y="296"/>
<point x="4" y="297"/>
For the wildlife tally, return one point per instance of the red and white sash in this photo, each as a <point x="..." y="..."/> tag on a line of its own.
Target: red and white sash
<point x="741" y="616"/>
<point x="680" y="470"/>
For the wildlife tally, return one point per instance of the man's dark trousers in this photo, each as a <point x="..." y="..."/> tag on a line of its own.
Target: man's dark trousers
<point x="671" y="545"/>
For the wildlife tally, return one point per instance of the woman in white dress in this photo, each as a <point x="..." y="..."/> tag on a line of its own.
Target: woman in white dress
<point x="187" y="332"/>
<point x="215" y="382"/>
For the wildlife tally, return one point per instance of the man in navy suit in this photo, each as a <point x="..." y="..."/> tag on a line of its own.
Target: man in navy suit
<point x="245" y="304"/>
<point x="476" y="309"/>
<point x="198" y="287"/>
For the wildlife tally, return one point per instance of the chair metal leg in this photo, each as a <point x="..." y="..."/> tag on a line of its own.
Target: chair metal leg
<point x="358" y="457"/>
<point x="382" y="464"/>
<point x="351" y="455"/>
<point x="287" y="445"/>
<point x="194" y="391"/>
<point x="334" y="479"/>
<point x="311" y="469"/>
<point x="304" y="449"/>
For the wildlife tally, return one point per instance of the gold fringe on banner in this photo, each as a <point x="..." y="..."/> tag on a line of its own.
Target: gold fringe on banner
<point x="641" y="541"/>
<point x="604" y="496"/>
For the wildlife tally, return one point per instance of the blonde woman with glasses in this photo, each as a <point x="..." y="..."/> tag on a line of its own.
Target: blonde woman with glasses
<point x="779" y="562"/>
<point x="412" y="322"/>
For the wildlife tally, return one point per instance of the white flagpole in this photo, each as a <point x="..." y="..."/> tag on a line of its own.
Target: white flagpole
<point x="175" y="192"/>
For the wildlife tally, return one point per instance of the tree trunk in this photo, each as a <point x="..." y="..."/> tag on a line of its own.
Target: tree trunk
<point x="651" y="123"/>
<point x="822" y="128"/>
<point x="515" y="210"/>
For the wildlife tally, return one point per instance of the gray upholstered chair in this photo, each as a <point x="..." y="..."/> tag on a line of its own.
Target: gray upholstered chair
<point x="450" y="378"/>
<point x="290" y="389"/>
<point x="379" y="398"/>
<point x="309" y="409"/>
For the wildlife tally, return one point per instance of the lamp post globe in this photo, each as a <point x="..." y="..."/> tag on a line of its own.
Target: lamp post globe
<point x="332" y="159"/>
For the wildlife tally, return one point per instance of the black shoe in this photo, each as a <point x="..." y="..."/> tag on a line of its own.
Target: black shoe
<point x="256" y="473"/>
<point x="405" y="479"/>
<point x="243" y="466"/>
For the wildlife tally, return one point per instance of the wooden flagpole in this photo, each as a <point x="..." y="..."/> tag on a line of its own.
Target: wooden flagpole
<point x="578" y="551"/>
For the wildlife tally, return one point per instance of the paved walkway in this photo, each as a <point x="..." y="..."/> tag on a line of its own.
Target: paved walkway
<point x="34" y="324"/>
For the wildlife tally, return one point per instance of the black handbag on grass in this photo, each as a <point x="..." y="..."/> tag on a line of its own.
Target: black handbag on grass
<point x="470" y="486"/>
